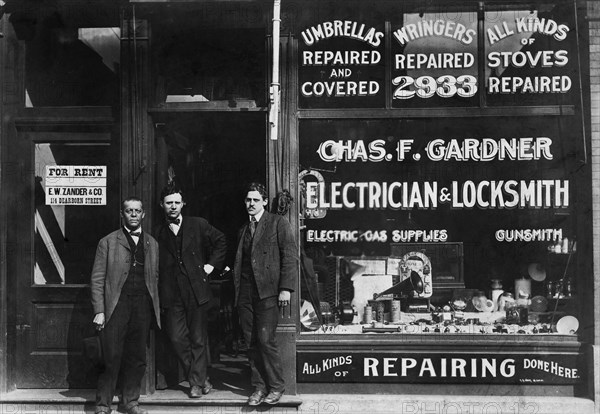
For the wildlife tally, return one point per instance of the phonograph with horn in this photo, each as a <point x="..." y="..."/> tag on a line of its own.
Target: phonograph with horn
<point x="414" y="269"/>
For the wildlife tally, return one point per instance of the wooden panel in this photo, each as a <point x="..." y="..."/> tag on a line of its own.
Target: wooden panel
<point x="282" y="173"/>
<point x="137" y="137"/>
<point x="435" y="112"/>
<point x="11" y="58"/>
<point x="61" y="327"/>
<point x="4" y="374"/>
<point x="55" y="338"/>
<point x="451" y="343"/>
<point x="60" y="371"/>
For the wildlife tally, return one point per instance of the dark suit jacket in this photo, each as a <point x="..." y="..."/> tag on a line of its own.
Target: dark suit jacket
<point x="111" y="268"/>
<point x="202" y="244"/>
<point x="274" y="256"/>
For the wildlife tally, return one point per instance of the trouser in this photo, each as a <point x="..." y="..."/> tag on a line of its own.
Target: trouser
<point x="124" y="339"/>
<point x="258" y="320"/>
<point x="186" y="324"/>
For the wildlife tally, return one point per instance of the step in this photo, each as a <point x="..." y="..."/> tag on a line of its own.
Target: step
<point x="165" y="401"/>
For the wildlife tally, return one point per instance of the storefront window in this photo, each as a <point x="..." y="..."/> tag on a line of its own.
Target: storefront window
<point x="531" y="55"/>
<point x="413" y="226"/>
<point x="71" y="65"/>
<point x="74" y="205"/>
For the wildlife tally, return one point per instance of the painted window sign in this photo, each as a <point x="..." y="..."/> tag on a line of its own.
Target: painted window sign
<point x="434" y="61"/>
<point x="401" y="156"/>
<point x="75" y="185"/>
<point x="342" y="65"/>
<point x="496" y="368"/>
<point x="517" y="57"/>
<point x="531" y="56"/>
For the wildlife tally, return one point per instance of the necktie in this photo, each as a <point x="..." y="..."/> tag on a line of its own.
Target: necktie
<point x="252" y="226"/>
<point x="135" y="234"/>
<point x="175" y="221"/>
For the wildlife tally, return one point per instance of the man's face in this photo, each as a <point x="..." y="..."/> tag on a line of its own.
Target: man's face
<point x="172" y="204"/>
<point x="254" y="203"/>
<point x="132" y="214"/>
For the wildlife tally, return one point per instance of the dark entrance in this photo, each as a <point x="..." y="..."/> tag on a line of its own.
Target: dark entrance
<point x="212" y="156"/>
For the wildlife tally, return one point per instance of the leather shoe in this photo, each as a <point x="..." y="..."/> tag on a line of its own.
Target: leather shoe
<point x="207" y="387"/>
<point x="195" y="391"/>
<point x="256" y="398"/>
<point x="136" y="409"/>
<point x="273" y="397"/>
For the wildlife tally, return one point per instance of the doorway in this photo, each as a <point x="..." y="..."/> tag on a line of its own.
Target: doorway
<point x="212" y="157"/>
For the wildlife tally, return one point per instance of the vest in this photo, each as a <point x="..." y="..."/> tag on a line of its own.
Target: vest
<point x="247" y="272"/>
<point x="135" y="284"/>
<point x="178" y="241"/>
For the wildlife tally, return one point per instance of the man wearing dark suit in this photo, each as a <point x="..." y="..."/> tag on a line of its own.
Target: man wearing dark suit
<point x="265" y="273"/>
<point x="190" y="249"/>
<point x="124" y="290"/>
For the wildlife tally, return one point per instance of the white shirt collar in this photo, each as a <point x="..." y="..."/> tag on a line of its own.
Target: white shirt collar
<point x="257" y="216"/>
<point x="175" y="227"/>
<point x="135" y="238"/>
<point x="130" y="231"/>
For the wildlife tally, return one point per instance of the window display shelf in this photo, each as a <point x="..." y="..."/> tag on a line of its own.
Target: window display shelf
<point x="352" y="337"/>
<point x="445" y="324"/>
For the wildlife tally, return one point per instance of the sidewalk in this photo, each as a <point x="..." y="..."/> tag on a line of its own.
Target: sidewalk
<point x="228" y="402"/>
<point x="441" y="404"/>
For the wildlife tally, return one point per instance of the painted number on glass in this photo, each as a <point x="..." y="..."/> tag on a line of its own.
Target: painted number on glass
<point x="445" y="86"/>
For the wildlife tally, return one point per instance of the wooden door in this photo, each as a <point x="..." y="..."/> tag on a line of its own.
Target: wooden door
<point x="52" y="247"/>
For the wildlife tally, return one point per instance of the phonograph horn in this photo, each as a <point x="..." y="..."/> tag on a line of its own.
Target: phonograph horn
<point x="414" y="282"/>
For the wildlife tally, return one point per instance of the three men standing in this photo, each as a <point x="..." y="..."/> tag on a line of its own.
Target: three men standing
<point x="190" y="249"/>
<point x="265" y="273"/>
<point x="131" y="273"/>
<point x="124" y="294"/>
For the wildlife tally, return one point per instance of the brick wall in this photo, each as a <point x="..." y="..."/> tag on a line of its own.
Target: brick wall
<point x="593" y="17"/>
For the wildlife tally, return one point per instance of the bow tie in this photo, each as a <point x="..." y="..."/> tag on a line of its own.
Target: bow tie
<point x="175" y="221"/>
<point x="135" y="233"/>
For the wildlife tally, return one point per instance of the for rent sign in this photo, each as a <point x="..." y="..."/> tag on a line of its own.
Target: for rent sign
<point x="82" y="185"/>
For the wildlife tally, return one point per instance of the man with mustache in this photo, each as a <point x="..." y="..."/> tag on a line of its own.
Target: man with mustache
<point x="265" y="273"/>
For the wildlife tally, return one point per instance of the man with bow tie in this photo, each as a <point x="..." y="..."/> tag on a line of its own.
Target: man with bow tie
<point x="265" y="273"/>
<point x="124" y="291"/>
<point x="190" y="250"/>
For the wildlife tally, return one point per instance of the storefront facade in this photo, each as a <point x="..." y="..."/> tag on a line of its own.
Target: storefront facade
<point x="442" y="158"/>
